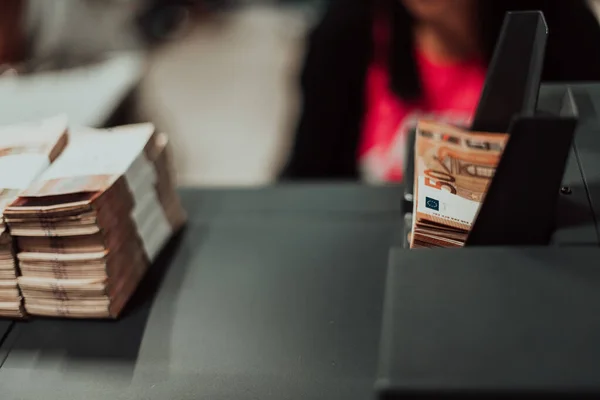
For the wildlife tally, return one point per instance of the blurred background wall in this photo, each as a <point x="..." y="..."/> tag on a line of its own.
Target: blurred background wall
<point x="220" y="78"/>
<point x="226" y="93"/>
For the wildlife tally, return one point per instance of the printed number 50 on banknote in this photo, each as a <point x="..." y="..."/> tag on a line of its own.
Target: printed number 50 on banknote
<point x="454" y="168"/>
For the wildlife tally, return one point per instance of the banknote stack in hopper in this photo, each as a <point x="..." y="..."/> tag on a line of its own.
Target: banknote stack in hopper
<point x="90" y="226"/>
<point x="453" y="170"/>
<point x="26" y="150"/>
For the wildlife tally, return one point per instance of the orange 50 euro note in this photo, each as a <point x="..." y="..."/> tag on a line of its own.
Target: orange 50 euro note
<point x="453" y="170"/>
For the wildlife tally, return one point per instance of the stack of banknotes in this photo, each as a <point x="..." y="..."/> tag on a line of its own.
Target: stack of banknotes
<point x="25" y="152"/>
<point x="87" y="229"/>
<point x="453" y="170"/>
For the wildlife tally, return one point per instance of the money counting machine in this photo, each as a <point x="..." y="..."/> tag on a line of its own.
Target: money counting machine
<point x="517" y="311"/>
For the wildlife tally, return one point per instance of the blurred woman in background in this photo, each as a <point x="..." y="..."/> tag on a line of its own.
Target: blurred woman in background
<point x="373" y="68"/>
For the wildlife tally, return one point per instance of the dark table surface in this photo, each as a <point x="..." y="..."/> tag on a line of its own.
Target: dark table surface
<point x="273" y="293"/>
<point x="502" y="320"/>
<point x="5" y="326"/>
<point x="268" y="294"/>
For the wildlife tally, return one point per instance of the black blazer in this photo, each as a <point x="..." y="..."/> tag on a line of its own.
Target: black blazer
<point x="339" y="52"/>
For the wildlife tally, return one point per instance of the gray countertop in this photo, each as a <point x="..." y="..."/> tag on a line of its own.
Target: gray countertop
<point x="5" y="326"/>
<point x="524" y="320"/>
<point x="268" y="294"/>
<point x="273" y="293"/>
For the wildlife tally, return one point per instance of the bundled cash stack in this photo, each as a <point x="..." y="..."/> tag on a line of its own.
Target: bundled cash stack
<point x="89" y="227"/>
<point x="453" y="170"/>
<point x="25" y="152"/>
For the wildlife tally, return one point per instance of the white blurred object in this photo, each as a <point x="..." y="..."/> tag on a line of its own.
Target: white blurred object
<point x="88" y="95"/>
<point x="226" y="94"/>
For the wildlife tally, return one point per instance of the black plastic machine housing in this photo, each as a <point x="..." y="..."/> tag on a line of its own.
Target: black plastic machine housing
<point x="517" y="311"/>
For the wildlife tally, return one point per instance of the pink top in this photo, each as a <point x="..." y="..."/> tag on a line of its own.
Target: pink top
<point x="450" y="93"/>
